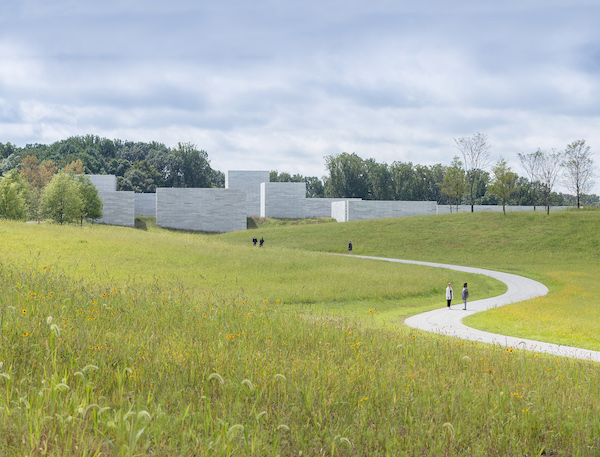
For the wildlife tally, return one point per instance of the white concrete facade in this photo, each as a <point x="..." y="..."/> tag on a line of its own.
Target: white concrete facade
<point x="117" y="208"/>
<point x="104" y="183"/>
<point x="445" y="209"/>
<point x="321" y="207"/>
<point x="145" y="205"/>
<point x="201" y="210"/>
<point x="377" y="209"/>
<point x="249" y="182"/>
<point x="282" y="199"/>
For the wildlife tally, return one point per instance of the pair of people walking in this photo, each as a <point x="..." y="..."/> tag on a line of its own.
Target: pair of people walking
<point x="450" y="294"/>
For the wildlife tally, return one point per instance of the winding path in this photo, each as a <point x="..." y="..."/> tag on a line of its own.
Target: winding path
<point x="449" y="322"/>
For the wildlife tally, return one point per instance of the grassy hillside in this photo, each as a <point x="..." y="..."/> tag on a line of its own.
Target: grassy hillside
<point x="561" y="250"/>
<point x="122" y="342"/>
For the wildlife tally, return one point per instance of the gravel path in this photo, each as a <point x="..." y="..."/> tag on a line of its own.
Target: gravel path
<point x="449" y="321"/>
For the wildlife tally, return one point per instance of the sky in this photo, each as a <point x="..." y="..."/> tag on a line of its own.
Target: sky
<point x="279" y="85"/>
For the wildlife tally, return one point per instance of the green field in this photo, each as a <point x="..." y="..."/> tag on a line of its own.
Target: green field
<point x="118" y="342"/>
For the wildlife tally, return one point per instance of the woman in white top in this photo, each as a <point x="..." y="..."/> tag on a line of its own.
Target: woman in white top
<point x="449" y="294"/>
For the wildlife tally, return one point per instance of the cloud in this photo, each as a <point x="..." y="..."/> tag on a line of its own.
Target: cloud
<point x="280" y="85"/>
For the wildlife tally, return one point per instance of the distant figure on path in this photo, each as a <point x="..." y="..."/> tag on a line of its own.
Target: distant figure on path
<point x="449" y="294"/>
<point x="254" y="241"/>
<point x="262" y="241"/>
<point x="350" y="247"/>
<point x="465" y="294"/>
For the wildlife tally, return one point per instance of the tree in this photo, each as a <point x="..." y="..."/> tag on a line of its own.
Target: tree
<point x="549" y="169"/>
<point x="531" y="165"/>
<point x="454" y="183"/>
<point x="578" y="169"/>
<point x="476" y="154"/>
<point x="13" y="196"/>
<point x="504" y="182"/>
<point x="61" y="200"/>
<point x="92" y="202"/>
<point x="76" y="167"/>
<point x="347" y="176"/>
<point x="37" y="176"/>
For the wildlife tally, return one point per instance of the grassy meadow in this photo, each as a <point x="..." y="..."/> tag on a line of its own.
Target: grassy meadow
<point x="124" y="342"/>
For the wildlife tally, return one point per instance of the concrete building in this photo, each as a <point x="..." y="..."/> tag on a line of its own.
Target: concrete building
<point x="282" y="199"/>
<point x="344" y="211"/>
<point x="145" y="205"/>
<point x="203" y="210"/>
<point x="117" y="207"/>
<point x="249" y="182"/>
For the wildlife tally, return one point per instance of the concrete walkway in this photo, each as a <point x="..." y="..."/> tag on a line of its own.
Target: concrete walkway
<point x="449" y="321"/>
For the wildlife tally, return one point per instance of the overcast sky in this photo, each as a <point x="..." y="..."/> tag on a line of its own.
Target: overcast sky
<point x="278" y="85"/>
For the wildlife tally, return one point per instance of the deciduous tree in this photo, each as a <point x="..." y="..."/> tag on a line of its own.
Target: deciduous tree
<point x="476" y="154"/>
<point x="61" y="199"/>
<point x="454" y="183"/>
<point x="578" y="167"/>
<point x="503" y="183"/>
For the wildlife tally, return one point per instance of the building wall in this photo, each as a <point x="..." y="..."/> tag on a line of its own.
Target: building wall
<point x="104" y="183"/>
<point x="117" y="208"/>
<point x="321" y="207"/>
<point x="249" y="182"/>
<point x="445" y="209"/>
<point x="282" y="199"/>
<point x="145" y="205"/>
<point x="377" y="209"/>
<point x="202" y="210"/>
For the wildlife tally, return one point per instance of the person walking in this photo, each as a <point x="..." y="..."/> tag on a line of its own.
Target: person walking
<point x="465" y="295"/>
<point x="449" y="294"/>
<point x="261" y="242"/>
<point x="350" y="247"/>
<point x="254" y="241"/>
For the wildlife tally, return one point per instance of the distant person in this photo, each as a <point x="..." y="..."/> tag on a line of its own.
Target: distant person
<point x="254" y="241"/>
<point x="262" y="241"/>
<point x="449" y="294"/>
<point x="465" y="294"/>
<point x="350" y="247"/>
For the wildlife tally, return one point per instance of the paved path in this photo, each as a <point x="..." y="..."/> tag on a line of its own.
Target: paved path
<point x="449" y="321"/>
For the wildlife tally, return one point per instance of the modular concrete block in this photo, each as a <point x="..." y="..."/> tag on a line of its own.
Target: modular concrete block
<point x="249" y="182"/>
<point x="104" y="183"/>
<point x="145" y="205"/>
<point x="202" y="210"/>
<point x="378" y="209"/>
<point x="321" y="207"/>
<point x="284" y="200"/>
<point x="117" y="208"/>
<point x="446" y="209"/>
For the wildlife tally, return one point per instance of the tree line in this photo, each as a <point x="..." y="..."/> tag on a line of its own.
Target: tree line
<point x="138" y="166"/>
<point x="471" y="178"/>
<point x="37" y="191"/>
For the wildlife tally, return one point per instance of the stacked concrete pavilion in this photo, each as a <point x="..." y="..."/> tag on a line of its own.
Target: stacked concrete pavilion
<point x="247" y="193"/>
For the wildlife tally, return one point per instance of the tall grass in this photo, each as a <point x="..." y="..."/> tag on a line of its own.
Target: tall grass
<point x="561" y="250"/>
<point x="91" y="368"/>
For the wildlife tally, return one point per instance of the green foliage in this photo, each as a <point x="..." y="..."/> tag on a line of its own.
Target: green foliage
<point x="454" y="184"/>
<point x="92" y="202"/>
<point x="62" y="200"/>
<point x="14" y="196"/>
<point x="504" y="183"/>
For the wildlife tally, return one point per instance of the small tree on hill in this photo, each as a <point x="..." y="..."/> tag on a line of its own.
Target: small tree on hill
<point x="476" y="153"/>
<point x="454" y="184"/>
<point x="61" y="200"/>
<point x="549" y="170"/>
<point x="579" y="169"/>
<point x="504" y="182"/>
<point x="531" y="164"/>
